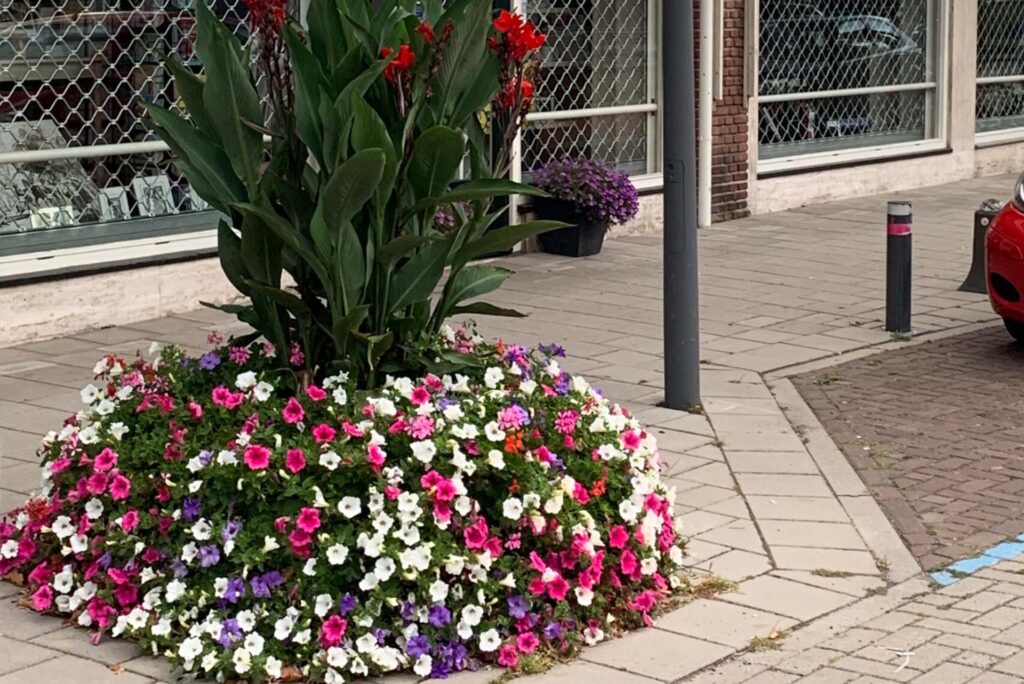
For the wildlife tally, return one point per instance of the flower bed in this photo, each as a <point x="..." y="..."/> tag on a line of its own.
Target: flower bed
<point x="243" y="528"/>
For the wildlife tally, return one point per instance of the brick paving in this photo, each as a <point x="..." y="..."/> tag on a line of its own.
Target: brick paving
<point x="936" y="431"/>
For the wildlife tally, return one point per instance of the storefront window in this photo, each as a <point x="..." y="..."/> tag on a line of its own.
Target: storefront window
<point x="76" y="160"/>
<point x="838" y="75"/>
<point x="1000" y="103"/>
<point x="596" y="93"/>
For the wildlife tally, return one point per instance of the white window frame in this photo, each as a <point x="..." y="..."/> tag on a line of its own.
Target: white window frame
<point x="1003" y="136"/>
<point x="936" y="109"/>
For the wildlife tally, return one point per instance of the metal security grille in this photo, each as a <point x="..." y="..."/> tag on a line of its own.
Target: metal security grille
<point x="73" y="148"/>
<point x="846" y="74"/>
<point x="1000" y="98"/>
<point x="597" y="85"/>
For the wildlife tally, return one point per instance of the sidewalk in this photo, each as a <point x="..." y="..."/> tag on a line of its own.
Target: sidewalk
<point x="768" y="499"/>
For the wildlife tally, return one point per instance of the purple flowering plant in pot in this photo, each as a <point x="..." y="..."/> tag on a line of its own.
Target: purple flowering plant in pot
<point x="588" y="194"/>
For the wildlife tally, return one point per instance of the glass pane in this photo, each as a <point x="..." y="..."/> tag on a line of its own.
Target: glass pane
<point x="1000" y="55"/>
<point x="73" y="73"/>
<point x="842" y="45"/>
<point x="597" y="55"/>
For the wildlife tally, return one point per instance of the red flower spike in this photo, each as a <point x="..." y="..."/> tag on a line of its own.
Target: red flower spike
<point x="427" y="31"/>
<point x="402" y="62"/>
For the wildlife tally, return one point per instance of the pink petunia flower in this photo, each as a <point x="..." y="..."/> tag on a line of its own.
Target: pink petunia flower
<point x="195" y="410"/>
<point x="630" y="440"/>
<point x="308" y="520"/>
<point x="105" y="460"/>
<point x="130" y="520"/>
<point x="527" y="642"/>
<point x="324" y="433"/>
<point x="558" y="588"/>
<point x="42" y="599"/>
<point x="257" y="457"/>
<point x="353" y="430"/>
<point x="333" y="631"/>
<point x="120" y="487"/>
<point x="315" y="393"/>
<point x="292" y="412"/>
<point x="419" y="396"/>
<point x="375" y="455"/>
<point x="617" y="537"/>
<point x="295" y="460"/>
<point x="508" y="656"/>
<point x="475" y="535"/>
<point x="420" y="427"/>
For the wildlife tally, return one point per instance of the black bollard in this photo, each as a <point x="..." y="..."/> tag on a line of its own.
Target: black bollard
<point x="898" y="260"/>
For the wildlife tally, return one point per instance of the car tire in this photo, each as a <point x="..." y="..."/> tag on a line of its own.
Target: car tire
<point x="1016" y="329"/>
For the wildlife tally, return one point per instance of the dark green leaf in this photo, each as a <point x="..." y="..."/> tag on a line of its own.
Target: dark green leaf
<point x="470" y="282"/>
<point x="291" y="237"/>
<point x="310" y="84"/>
<point x="349" y="267"/>
<point x="229" y="248"/>
<point x="190" y="89"/>
<point x="417" y="278"/>
<point x="435" y="159"/>
<point x="402" y="246"/>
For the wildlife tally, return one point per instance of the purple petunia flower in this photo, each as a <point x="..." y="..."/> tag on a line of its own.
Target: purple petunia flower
<point x="517" y="606"/>
<point x="600" y="194"/>
<point x="190" y="508"/>
<point x="209" y="555"/>
<point x="438" y="615"/>
<point x="205" y="456"/>
<point x="209" y="360"/>
<point x="407" y="610"/>
<point x="262" y="585"/>
<point x="417" y="646"/>
<point x="552" y="631"/>
<point x="234" y="591"/>
<point x="231" y="529"/>
<point x="347" y="604"/>
<point x="552" y="350"/>
<point x="229" y="633"/>
<point x="179" y="568"/>
<point x="380" y="634"/>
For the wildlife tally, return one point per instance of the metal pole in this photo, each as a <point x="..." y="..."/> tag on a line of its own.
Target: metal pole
<point x="682" y="319"/>
<point x="898" y="263"/>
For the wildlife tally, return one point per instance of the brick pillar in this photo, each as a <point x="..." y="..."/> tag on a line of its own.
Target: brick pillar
<point x="729" y="162"/>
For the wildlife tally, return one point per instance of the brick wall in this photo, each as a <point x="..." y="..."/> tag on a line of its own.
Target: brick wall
<point x="729" y="163"/>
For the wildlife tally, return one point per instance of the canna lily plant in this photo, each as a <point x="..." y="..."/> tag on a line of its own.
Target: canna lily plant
<point x="358" y="191"/>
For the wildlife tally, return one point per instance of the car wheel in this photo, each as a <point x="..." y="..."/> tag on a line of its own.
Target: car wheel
<point x="1016" y="328"/>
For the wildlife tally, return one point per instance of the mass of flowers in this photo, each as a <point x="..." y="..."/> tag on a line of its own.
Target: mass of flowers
<point x="601" y="194"/>
<point x="253" y="526"/>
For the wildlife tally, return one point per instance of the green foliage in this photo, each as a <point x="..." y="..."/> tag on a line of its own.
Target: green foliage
<point x="330" y="229"/>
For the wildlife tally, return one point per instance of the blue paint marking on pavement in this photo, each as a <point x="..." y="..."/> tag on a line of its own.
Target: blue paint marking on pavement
<point x="944" y="578"/>
<point x="1006" y="551"/>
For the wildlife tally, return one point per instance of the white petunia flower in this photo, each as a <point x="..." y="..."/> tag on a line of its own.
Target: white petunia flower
<point x="512" y="508"/>
<point x="490" y="641"/>
<point x="117" y="430"/>
<point x="302" y="637"/>
<point x="438" y="591"/>
<point x="175" y="590"/>
<point x="62" y="527"/>
<point x="424" y="664"/>
<point x="496" y="459"/>
<point x="262" y="391"/>
<point x="190" y="648"/>
<point x="384" y="569"/>
<point x="162" y="628"/>
<point x="270" y="544"/>
<point x="9" y="549"/>
<point x="246" y="380"/>
<point x="246" y="621"/>
<point x="330" y="460"/>
<point x="368" y="582"/>
<point x="350" y="507"/>
<point x="272" y="666"/>
<point x="472" y="615"/>
<point x="493" y="432"/>
<point x="628" y="510"/>
<point x="493" y="377"/>
<point x="323" y="605"/>
<point x="242" y="660"/>
<point x="253" y="643"/>
<point x="584" y="596"/>
<point x="202" y="530"/>
<point x="226" y="458"/>
<point x="64" y="580"/>
<point x="336" y="657"/>
<point x="337" y="554"/>
<point x="423" y="451"/>
<point x="309" y="569"/>
<point x="105" y="407"/>
<point x="79" y="543"/>
<point x="89" y="394"/>
<point x="283" y="627"/>
<point x="194" y="465"/>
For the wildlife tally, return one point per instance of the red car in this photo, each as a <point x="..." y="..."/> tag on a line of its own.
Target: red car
<point x="1005" y="263"/>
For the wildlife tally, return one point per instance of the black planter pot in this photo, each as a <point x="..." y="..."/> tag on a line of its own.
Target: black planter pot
<point x="579" y="240"/>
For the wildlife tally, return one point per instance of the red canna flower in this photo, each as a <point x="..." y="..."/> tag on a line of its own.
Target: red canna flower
<point x="402" y="62"/>
<point x="427" y="31"/>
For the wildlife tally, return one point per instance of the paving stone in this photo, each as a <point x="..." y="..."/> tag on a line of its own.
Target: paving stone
<point x="1001" y="618"/>
<point x="1013" y="665"/>
<point x="811" y="508"/>
<point x="783" y="485"/>
<point x="588" y="672"/>
<point x="821" y="535"/>
<point x="24" y="624"/>
<point x="995" y="678"/>
<point x="830" y="675"/>
<point x="71" y="670"/>
<point x="657" y="654"/>
<point x="794" y="558"/>
<point x="877" y="669"/>
<point x="722" y="622"/>
<point x="949" y="673"/>
<point x="854" y="585"/>
<point x="75" y="641"/>
<point x="15" y="655"/>
<point x="736" y="565"/>
<point x="809" y="661"/>
<point x="738" y="534"/>
<point x="781" y="596"/>
<point x="793" y="462"/>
